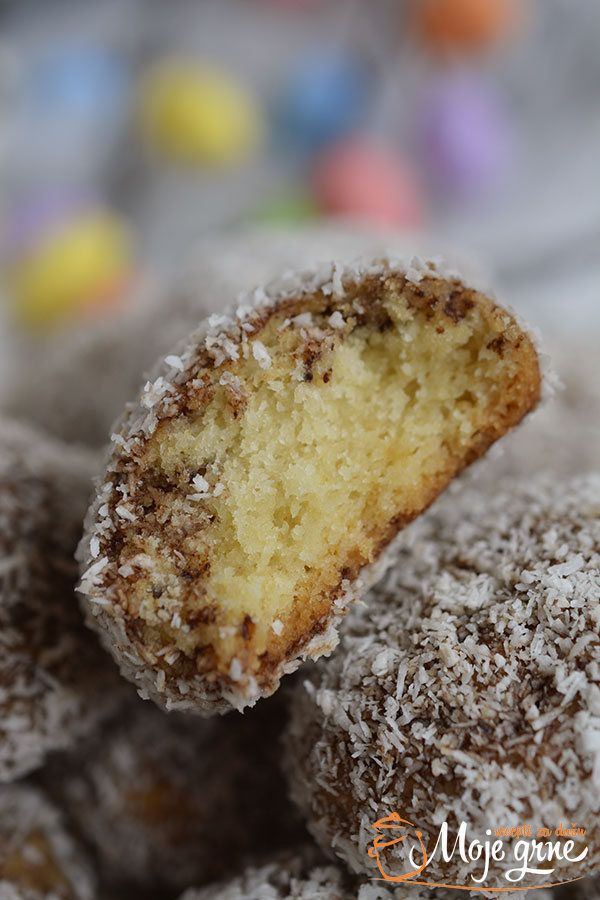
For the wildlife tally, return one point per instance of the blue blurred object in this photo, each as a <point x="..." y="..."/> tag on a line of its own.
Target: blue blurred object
<point x="324" y="98"/>
<point x="79" y="82"/>
<point x="70" y="111"/>
<point x="466" y="136"/>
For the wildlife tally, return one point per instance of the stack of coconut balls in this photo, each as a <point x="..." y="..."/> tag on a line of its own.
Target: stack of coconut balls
<point x="295" y="643"/>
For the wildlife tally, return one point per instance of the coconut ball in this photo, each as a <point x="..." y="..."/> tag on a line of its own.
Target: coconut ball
<point x="468" y="689"/>
<point x="166" y="801"/>
<point x="56" y="684"/>
<point x="39" y="860"/>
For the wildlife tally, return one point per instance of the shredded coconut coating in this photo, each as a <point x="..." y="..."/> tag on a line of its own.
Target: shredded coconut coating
<point x="166" y="801"/>
<point x="223" y="338"/>
<point x="302" y="876"/>
<point x="468" y="689"/>
<point x="305" y="876"/>
<point x="55" y="681"/>
<point x="39" y="860"/>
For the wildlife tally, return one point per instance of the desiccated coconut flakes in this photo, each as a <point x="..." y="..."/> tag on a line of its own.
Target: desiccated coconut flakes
<point x="515" y="736"/>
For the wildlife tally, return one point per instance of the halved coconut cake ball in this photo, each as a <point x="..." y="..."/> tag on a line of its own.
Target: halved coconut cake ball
<point x="275" y="456"/>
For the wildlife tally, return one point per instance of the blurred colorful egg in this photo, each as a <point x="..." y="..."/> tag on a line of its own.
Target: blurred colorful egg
<point x="69" y="113"/>
<point x="288" y="208"/>
<point x="199" y="115"/>
<point x="466" y="139"/>
<point x="77" y="82"/>
<point x="360" y="179"/>
<point x="324" y="98"/>
<point x="464" y="25"/>
<point x="62" y="259"/>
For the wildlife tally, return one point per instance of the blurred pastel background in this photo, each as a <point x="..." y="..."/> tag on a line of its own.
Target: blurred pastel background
<point x="132" y="131"/>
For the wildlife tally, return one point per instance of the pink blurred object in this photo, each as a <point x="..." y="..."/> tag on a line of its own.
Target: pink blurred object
<point x="357" y="178"/>
<point x="465" y="135"/>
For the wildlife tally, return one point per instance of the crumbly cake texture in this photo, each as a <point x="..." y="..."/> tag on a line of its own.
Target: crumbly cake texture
<point x="270" y="460"/>
<point x="55" y="680"/>
<point x="468" y="689"/>
<point x="39" y="860"/>
<point x="166" y="801"/>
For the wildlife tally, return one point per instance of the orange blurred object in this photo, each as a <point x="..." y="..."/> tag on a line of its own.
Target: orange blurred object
<point x="464" y="25"/>
<point x="358" y="179"/>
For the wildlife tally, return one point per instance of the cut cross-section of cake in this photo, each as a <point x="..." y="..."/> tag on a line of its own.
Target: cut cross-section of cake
<point x="252" y="490"/>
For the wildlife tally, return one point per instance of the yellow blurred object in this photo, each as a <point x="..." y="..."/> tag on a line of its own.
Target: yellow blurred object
<point x="199" y="115"/>
<point x="74" y="267"/>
